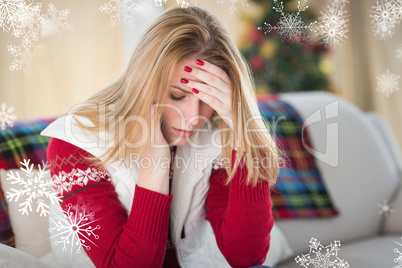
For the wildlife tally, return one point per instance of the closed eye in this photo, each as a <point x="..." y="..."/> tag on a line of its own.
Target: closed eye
<point x="173" y="97"/>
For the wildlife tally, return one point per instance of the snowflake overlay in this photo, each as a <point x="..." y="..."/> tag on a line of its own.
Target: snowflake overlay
<point x="291" y="26"/>
<point x="321" y="256"/>
<point x="15" y="13"/>
<point x="331" y="27"/>
<point x="181" y="3"/>
<point x="333" y="22"/>
<point x="50" y="24"/>
<point x="23" y="55"/>
<point x="398" y="259"/>
<point x="34" y="188"/>
<point x="385" y="208"/>
<point x="122" y="11"/>
<point x="385" y="18"/>
<point x="398" y="10"/>
<point x="75" y="229"/>
<point x="398" y="53"/>
<point x="232" y="7"/>
<point x="7" y="116"/>
<point x="54" y="22"/>
<point x="387" y="83"/>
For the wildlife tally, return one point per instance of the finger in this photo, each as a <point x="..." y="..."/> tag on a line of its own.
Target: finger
<point x="223" y="111"/>
<point x="210" y="79"/>
<point x="205" y="88"/>
<point x="218" y="104"/>
<point x="213" y="69"/>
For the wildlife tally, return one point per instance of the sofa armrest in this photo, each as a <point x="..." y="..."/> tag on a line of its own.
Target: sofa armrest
<point x="392" y="223"/>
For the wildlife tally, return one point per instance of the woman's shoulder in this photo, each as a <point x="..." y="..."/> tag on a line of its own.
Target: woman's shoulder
<point x="68" y="137"/>
<point x="63" y="154"/>
<point x="62" y="148"/>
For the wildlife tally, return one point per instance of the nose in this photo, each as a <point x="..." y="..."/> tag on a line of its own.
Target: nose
<point x="193" y="114"/>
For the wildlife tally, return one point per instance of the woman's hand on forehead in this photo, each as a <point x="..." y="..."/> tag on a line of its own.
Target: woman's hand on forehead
<point x="212" y="85"/>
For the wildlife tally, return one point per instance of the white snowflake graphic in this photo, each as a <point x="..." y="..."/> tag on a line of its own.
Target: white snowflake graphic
<point x="34" y="188"/>
<point x="398" y="259"/>
<point x="181" y="3"/>
<point x="7" y="116"/>
<point x="64" y="181"/>
<point x="333" y="22"/>
<point x="291" y="26"/>
<point x="54" y="22"/>
<point x="14" y="14"/>
<point x="385" y="208"/>
<point x="321" y="256"/>
<point x="398" y="53"/>
<point x="75" y="229"/>
<point x="387" y="83"/>
<point x="232" y="7"/>
<point x="30" y="31"/>
<point x="384" y="19"/>
<point x="50" y="24"/>
<point x="331" y="27"/>
<point x="122" y="11"/>
<point x="23" y="55"/>
<point x="398" y="10"/>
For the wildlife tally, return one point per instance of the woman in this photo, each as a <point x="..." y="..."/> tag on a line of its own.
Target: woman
<point x="138" y="162"/>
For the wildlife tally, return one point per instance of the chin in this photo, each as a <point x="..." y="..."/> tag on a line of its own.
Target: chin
<point x="178" y="142"/>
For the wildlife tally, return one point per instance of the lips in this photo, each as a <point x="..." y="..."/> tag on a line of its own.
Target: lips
<point x="183" y="133"/>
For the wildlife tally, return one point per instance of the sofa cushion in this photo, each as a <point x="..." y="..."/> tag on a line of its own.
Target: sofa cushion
<point x="363" y="176"/>
<point x="23" y="140"/>
<point x="393" y="218"/>
<point x="31" y="228"/>
<point x="300" y="191"/>
<point x="15" y="258"/>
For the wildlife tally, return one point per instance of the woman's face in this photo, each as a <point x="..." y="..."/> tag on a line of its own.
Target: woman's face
<point x="184" y="110"/>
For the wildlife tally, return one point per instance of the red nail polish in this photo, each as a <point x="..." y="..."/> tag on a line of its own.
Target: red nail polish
<point x="200" y="62"/>
<point x="187" y="69"/>
<point x="195" y="90"/>
<point x="184" y="81"/>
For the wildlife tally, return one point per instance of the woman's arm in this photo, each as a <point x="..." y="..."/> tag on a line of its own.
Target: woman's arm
<point x="241" y="217"/>
<point x="135" y="240"/>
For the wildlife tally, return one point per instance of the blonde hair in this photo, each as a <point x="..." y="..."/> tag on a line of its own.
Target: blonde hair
<point x="177" y="34"/>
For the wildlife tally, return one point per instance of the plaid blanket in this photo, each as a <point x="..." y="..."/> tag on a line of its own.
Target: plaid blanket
<point x="22" y="141"/>
<point x="299" y="191"/>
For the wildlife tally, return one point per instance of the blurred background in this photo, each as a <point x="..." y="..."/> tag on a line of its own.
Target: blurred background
<point x="76" y="48"/>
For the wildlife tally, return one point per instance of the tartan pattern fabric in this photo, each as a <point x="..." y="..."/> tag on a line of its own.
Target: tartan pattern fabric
<point x="299" y="192"/>
<point x="22" y="141"/>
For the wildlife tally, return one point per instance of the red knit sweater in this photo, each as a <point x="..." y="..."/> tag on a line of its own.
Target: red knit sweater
<point x="240" y="215"/>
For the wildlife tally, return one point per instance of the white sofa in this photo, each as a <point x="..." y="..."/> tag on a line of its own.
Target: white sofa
<point x="360" y="163"/>
<point x="367" y="175"/>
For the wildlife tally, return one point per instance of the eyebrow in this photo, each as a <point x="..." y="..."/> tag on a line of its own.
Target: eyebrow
<point x="185" y="91"/>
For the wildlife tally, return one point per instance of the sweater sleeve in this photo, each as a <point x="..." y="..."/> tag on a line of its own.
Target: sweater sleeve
<point x="240" y="216"/>
<point x="118" y="240"/>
